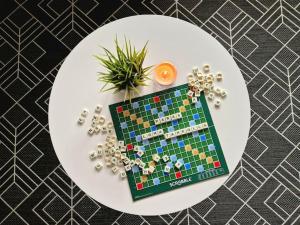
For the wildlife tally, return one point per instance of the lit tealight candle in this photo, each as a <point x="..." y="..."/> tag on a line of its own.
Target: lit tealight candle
<point x="165" y="73"/>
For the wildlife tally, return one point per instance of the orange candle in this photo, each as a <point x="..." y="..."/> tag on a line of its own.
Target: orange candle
<point x="165" y="73"/>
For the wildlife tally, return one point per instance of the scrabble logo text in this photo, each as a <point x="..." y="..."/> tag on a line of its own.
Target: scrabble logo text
<point x="180" y="182"/>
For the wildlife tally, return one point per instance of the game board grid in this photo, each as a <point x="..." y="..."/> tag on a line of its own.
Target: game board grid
<point x="183" y="154"/>
<point x="171" y="148"/>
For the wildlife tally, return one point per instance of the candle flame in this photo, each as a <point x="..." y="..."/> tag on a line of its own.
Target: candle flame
<point x="165" y="74"/>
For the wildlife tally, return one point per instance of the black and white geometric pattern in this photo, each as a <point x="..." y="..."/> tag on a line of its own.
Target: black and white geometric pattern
<point x="262" y="36"/>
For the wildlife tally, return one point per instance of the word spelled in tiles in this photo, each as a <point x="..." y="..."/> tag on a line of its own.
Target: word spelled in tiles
<point x="168" y="118"/>
<point x="186" y="130"/>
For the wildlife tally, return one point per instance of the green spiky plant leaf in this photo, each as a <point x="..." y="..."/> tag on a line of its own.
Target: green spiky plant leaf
<point x="125" y="69"/>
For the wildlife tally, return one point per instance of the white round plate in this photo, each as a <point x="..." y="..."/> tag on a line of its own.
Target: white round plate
<point x="76" y="87"/>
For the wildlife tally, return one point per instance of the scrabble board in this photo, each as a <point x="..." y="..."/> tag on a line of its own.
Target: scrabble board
<point x="199" y="152"/>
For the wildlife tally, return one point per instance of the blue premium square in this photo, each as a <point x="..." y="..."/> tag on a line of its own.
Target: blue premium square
<point x="123" y="125"/>
<point x="159" y="150"/>
<point x="153" y="128"/>
<point x="154" y="111"/>
<point x="195" y="134"/>
<point x="174" y="140"/>
<point x="181" y="161"/>
<point x="135" y="169"/>
<point x="169" y="101"/>
<point x="147" y="107"/>
<point x="196" y="116"/>
<point x="131" y="134"/>
<point x="173" y="158"/>
<point x="198" y="105"/>
<point x="163" y="143"/>
<point x="211" y="147"/>
<point x="202" y="137"/>
<point x="177" y="93"/>
<point x="169" y="164"/>
<point x="181" y="144"/>
<point x="156" y="181"/>
<point x="135" y="105"/>
<point x="200" y="168"/>
<point x="170" y="129"/>
<point x="165" y="108"/>
<point x="175" y="122"/>
<point x="187" y="166"/>
<point x="161" y="114"/>
<point x="146" y="142"/>
<point x="138" y="138"/>
<point x="192" y="123"/>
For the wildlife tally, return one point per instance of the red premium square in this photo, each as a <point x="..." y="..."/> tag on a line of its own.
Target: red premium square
<point x="129" y="147"/>
<point x="178" y="174"/>
<point x="217" y="164"/>
<point x="119" y="109"/>
<point x="139" y="186"/>
<point x="156" y="99"/>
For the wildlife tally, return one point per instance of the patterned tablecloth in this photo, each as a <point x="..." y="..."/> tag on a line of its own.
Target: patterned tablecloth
<point x="262" y="36"/>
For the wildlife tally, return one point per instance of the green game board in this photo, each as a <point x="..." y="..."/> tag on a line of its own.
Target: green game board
<point x="200" y="152"/>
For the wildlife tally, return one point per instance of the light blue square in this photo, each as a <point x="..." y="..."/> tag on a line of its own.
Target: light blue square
<point x="195" y="134"/>
<point x="187" y="166"/>
<point x="146" y="142"/>
<point x="154" y="111"/>
<point x="196" y="116"/>
<point x="177" y="93"/>
<point x="180" y="144"/>
<point x="163" y="143"/>
<point x="147" y="107"/>
<point x="123" y="125"/>
<point x="159" y="150"/>
<point x="135" y="169"/>
<point x="198" y="105"/>
<point x="175" y="122"/>
<point x="170" y="129"/>
<point x="169" y="164"/>
<point x="200" y="168"/>
<point x="153" y="128"/>
<point x="169" y="101"/>
<point x="165" y="108"/>
<point x="142" y="148"/>
<point x="211" y="147"/>
<point x="138" y="138"/>
<point x="156" y="181"/>
<point x="135" y="105"/>
<point x="181" y="161"/>
<point x="174" y="140"/>
<point x="192" y="123"/>
<point x="131" y="134"/>
<point x="173" y="158"/>
<point x="161" y="114"/>
<point x="202" y="137"/>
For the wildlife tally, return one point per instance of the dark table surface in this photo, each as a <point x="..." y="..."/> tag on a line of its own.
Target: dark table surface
<point x="264" y="40"/>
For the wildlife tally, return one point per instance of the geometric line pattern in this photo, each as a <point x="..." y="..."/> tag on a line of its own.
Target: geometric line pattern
<point x="263" y="38"/>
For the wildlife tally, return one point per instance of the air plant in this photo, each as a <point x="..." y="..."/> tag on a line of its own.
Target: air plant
<point x="125" y="69"/>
